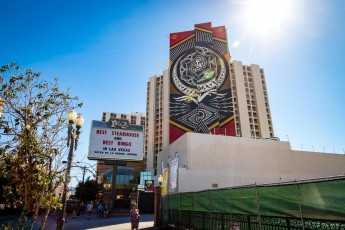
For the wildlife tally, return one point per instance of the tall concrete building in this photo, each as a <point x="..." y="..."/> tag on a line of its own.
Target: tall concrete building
<point x="157" y="119"/>
<point x="250" y="106"/>
<point x="250" y="101"/>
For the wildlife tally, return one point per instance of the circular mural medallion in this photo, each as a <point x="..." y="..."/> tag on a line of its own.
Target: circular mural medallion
<point x="198" y="70"/>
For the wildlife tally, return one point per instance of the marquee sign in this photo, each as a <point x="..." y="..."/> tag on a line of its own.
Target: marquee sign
<point x="200" y="88"/>
<point x="115" y="140"/>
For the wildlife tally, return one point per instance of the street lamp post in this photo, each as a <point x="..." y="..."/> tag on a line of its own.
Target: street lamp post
<point x="72" y="143"/>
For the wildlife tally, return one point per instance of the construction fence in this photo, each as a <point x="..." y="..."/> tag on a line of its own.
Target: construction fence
<point x="313" y="204"/>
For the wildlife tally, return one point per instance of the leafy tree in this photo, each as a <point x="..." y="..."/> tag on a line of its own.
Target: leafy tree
<point x="88" y="190"/>
<point x="31" y="140"/>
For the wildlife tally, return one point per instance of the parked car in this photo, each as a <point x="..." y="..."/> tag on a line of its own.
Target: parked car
<point x="71" y="205"/>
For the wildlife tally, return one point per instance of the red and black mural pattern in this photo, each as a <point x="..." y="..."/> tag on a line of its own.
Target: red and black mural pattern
<point x="200" y="88"/>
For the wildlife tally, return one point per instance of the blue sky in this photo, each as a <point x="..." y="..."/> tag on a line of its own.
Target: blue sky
<point x="107" y="50"/>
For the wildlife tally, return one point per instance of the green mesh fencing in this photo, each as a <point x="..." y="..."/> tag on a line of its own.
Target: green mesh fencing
<point x="186" y="201"/>
<point x="243" y="201"/>
<point x="279" y="201"/>
<point x="219" y="201"/>
<point x="321" y="199"/>
<point x="201" y="201"/>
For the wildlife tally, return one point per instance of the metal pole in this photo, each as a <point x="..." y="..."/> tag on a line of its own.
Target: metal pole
<point x="258" y="205"/>
<point x="113" y="185"/>
<point x="81" y="190"/>
<point x="210" y="209"/>
<point x="82" y="183"/>
<point x="299" y="204"/>
<point x="193" y="210"/>
<point x="60" y="221"/>
<point x="230" y="206"/>
<point x="179" y="210"/>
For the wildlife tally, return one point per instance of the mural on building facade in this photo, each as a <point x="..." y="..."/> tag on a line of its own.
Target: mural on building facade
<point x="200" y="88"/>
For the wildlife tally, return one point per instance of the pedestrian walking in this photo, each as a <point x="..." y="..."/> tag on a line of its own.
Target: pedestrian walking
<point x="134" y="214"/>
<point x="100" y="209"/>
<point x="89" y="208"/>
<point x="106" y="210"/>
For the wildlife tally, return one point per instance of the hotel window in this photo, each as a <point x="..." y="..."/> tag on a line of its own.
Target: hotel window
<point x="133" y="120"/>
<point x="238" y="132"/>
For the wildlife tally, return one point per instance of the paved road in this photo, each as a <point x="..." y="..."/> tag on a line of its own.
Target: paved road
<point x="113" y="222"/>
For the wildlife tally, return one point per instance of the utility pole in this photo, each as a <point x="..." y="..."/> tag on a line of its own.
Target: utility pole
<point x="81" y="190"/>
<point x="82" y="183"/>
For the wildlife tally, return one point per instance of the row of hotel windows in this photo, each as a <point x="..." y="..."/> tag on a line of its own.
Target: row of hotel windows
<point x="133" y="119"/>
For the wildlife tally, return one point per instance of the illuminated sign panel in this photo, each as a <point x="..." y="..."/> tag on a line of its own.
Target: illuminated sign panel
<point x="116" y="140"/>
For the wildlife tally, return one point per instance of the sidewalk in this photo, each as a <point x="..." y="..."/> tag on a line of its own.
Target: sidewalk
<point x="118" y="222"/>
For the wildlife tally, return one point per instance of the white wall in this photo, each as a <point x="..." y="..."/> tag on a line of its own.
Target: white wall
<point x="234" y="161"/>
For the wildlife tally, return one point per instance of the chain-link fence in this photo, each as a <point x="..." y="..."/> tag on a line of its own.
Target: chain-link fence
<point x="317" y="204"/>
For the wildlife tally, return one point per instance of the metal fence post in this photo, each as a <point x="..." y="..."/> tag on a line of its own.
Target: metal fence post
<point x="230" y="205"/>
<point x="169" y="210"/>
<point x="299" y="204"/>
<point x="288" y="223"/>
<point x="193" y="210"/>
<point x="258" y="205"/>
<point x="189" y="216"/>
<point x="248" y="220"/>
<point x="210" y="208"/>
<point x="179" y="210"/>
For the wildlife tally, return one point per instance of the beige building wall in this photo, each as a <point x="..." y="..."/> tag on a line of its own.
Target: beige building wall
<point x="239" y="98"/>
<point x="150" y="124"/>
<point x="251" y="106"/>
<point x="166" y="99"/>
<point x="157" y="113"/>
<point x="260" y="102"/>
<point x="211" y="161"/>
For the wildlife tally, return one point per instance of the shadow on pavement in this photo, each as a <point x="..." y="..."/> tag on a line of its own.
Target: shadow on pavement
<point x="98" y="222"/>
<point x="118" y="222"/>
